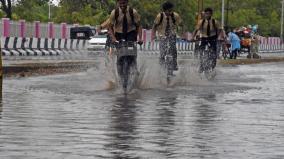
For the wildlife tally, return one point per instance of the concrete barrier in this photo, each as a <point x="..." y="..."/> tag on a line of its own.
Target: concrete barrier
<point x="21" y="46"/>
<point x="18" y="46"/>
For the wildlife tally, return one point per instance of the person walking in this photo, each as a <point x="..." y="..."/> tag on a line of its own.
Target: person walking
<point x="235" y="44"/>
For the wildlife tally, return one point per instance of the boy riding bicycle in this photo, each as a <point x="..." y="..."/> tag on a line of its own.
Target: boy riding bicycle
<point x="210" y="30"/>
<point x="125" y="25"/>
<point x="166" y="24"/>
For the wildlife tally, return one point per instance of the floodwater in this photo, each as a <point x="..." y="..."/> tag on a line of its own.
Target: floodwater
<point x="238" y="115"/>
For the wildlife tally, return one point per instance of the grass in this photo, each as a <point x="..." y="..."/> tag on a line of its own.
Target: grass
<point x="250" y="61"/>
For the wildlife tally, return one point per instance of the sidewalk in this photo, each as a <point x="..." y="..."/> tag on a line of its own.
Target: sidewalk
<point x="265" y="57"/>
<point x="45" y="67"/>
<point x="23" y="68"/>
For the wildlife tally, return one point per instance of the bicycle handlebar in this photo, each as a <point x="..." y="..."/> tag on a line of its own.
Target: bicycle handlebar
<point x="123" y="43"/>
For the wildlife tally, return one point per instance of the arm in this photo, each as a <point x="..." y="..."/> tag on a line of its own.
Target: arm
<point x="220" y="30"/>
<point x="105" y="24"/>
<point x="194" y="33"/>
<point x="111" y="26"/>
<point x="180" y="24"/>
<point x="154" y="30"/>
<point x="198" y="26"/>
<point x="155" y="26"/>
<point x="138" y="23"/>
<point x="140" y="33"/>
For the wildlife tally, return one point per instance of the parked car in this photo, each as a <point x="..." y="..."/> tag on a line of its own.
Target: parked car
<point x="84" y="32"/>
<point x="97" y="42"/>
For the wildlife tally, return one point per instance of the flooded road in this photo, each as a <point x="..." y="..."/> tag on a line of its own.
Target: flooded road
<point x="239" y="115"/>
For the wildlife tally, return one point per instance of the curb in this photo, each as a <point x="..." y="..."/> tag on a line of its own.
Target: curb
<point x="250" y="61"/>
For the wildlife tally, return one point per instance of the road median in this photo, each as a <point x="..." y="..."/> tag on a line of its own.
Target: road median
<point x="49" y="67"/>
<point x="245" y="61"/>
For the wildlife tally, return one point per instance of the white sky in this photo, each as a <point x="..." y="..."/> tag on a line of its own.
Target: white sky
<point x="55" y="2"/>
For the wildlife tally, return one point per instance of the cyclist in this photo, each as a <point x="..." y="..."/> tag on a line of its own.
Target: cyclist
<point x="210" y="30"/>
<point x="166" y="24"/>
<point x="125" y="25"/>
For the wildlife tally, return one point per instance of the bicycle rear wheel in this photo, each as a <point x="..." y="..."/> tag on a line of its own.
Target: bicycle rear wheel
<point x="123" y="70"/>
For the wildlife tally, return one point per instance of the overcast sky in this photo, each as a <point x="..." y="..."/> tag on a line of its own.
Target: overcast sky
<point x="55" y="2"/>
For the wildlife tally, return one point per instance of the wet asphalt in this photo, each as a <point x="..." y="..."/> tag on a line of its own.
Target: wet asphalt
<point x="237" y="115"/>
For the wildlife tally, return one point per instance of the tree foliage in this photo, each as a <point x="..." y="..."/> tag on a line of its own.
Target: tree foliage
<point x="265" y="13"/>
<point x="6" y="6"/>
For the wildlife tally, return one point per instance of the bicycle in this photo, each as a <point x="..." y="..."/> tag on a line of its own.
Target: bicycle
<point x="167" y="62"/>
<point x="207" y="58"/>
<point x="126" y="64"/>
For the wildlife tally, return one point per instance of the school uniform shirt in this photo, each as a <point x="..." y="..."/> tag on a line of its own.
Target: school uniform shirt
<point x="118" y="23"/>
<point x="203" y="28"/>
<point x="161" y="28"/>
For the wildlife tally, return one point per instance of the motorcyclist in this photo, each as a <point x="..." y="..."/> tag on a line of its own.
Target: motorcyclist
<point x="166" y="24"/>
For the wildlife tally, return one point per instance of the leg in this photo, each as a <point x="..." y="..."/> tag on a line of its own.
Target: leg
<point x="202" y="55"/>
<point x="173" y="51"/>
<point x="119" y="64"/>
<point x="213" y="55"/>
<point x="235" y="52"/>
<point x="163" y="48"/>
<point x="132" y="62"/>
<point x="196" y="50"/>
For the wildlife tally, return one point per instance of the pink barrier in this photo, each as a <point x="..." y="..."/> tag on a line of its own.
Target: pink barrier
<point x="37" y="29"/>
<point x="63" y="30"/>
<point x="6" y="27"/>
<point x="22" y="28"/>
<point x="50" y="30"/>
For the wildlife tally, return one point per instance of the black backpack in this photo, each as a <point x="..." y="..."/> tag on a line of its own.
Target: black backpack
<point x="131" y="13"/>
<point x="162" y="18"/>
<point x="214" y="25"/>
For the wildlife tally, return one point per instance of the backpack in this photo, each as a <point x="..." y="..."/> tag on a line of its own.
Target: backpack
<point x="131" y="13"/>
<point x="162" y="18"/>
<point x="214" y="25"/>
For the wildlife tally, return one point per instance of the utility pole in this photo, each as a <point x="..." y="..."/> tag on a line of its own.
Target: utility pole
<point x="49" y="11"/>
<point x="227" y="18"/>
<point x="281" y="32"/>
<point x="223" y="12"/>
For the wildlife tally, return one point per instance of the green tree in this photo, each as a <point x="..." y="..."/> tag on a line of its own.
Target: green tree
<point x="91" y="12"/>
<point x="265" y="13"/>
<point x="32" y="10"/>
<point x="6" y="6"/>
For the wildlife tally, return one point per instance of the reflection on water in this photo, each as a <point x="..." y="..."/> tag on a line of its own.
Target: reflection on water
<point x="1" y="92"/>
<point x="205" y="121"/>
<point x="205" y="110"/>
<point x="1" y="108"/>
<point x="123" y="127"/>
<point x="166" y="120"/>
<point x="67" y="116"/>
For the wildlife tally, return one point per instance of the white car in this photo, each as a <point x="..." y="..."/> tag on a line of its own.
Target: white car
<point x="97" y="43"/>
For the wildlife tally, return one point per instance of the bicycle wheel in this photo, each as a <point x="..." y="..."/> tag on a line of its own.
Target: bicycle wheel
<point x="124" y="74"/>
<point x="169" y="67"/>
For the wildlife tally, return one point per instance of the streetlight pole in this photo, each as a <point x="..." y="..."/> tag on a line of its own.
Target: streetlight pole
<point x="281" y="32"/>
<point x="223" y="12"/>
<point x="49" y="11"/>
<point x="227" y="18"/>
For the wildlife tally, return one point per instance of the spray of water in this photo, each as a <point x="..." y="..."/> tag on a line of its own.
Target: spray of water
<point x="151" y="74"/>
